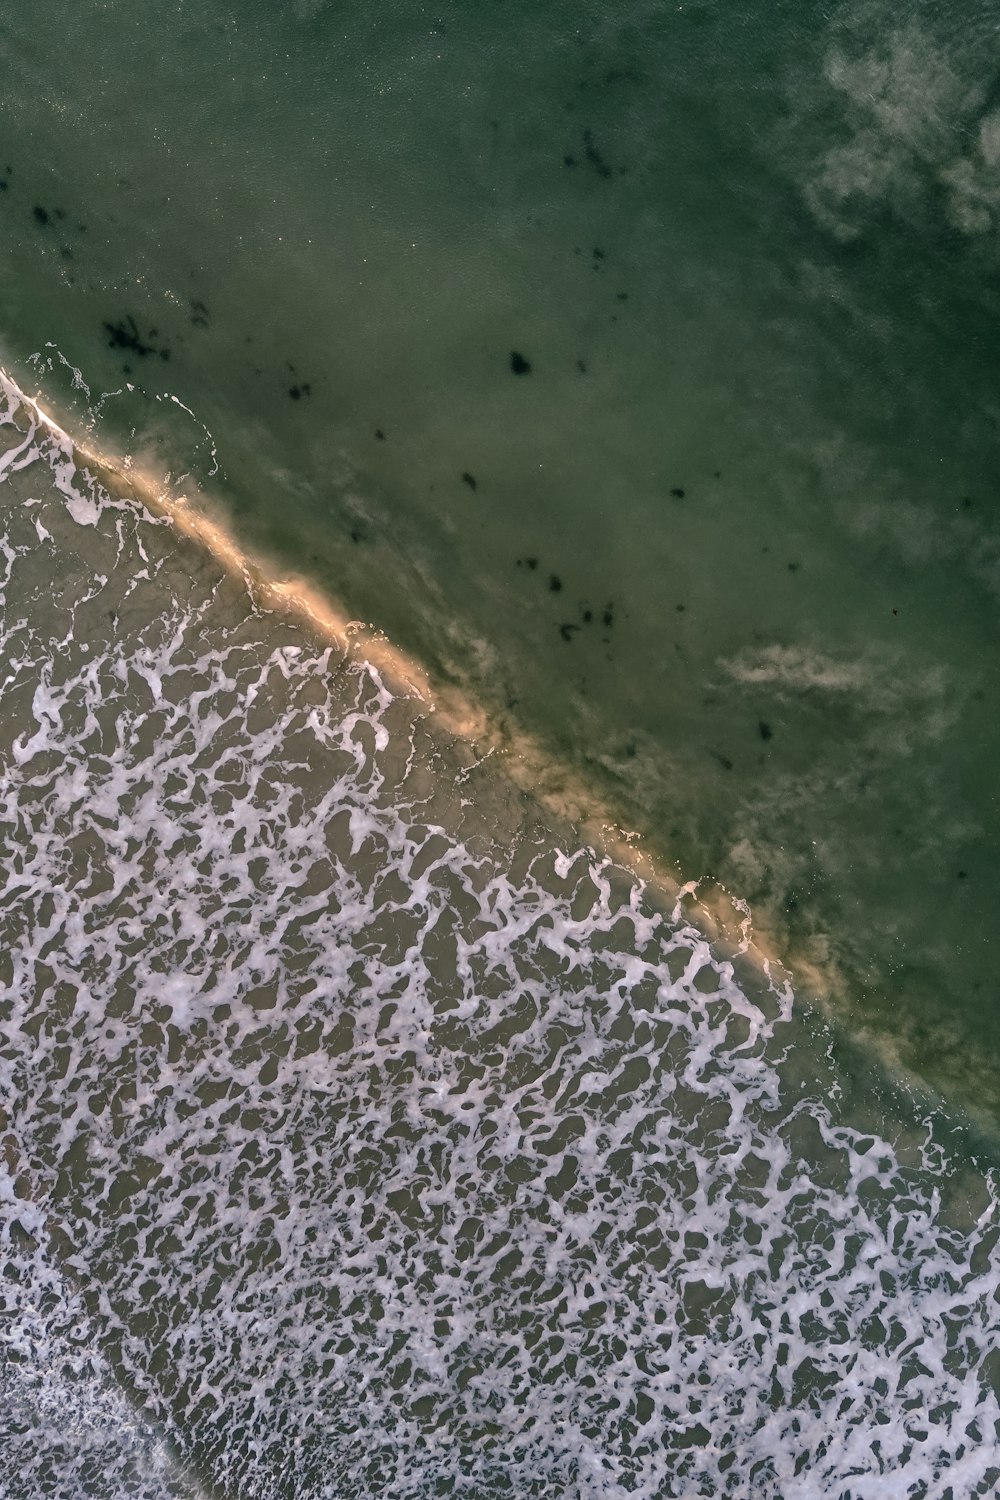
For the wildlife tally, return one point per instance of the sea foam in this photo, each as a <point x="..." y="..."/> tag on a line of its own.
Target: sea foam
<point x="363" y="1138"/>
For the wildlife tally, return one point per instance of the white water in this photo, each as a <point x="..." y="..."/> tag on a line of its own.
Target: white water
<point x="376" y="1146"/>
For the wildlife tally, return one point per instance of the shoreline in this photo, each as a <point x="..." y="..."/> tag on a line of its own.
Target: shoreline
<point x="579" y="813"/>
<point x="582" y="1035"/>
<point x="725" y="919"/>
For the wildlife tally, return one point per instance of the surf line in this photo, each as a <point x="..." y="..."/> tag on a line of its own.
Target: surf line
<point x="582" y="815"/>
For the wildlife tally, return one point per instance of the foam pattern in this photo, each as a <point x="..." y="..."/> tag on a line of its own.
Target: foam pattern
<point x="360" y="1141"/>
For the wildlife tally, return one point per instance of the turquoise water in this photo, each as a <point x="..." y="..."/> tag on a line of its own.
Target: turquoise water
<point x="632" y="369"/>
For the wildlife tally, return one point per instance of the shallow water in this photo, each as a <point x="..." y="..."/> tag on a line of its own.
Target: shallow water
<point x="749" y="260"/>
<point x="360" y="1138"/>
<point x="366" y="1128"/>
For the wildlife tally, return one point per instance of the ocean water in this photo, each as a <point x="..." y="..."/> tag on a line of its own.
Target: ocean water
<point x="362" y="1138"/>
<point x="728" y="547"/>
<point x="497" y="985"/>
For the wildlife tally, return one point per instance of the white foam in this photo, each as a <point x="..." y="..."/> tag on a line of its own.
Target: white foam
<point x="383" y="1169"/>
<point x="65" y="1428"/>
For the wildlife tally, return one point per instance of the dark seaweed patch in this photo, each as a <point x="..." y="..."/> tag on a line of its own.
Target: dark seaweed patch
<point x="298" y="391"/>
<point x="794" y="567"/>
<point x="125" y="335"/>
<point x="531" y="563"/>
<point x="568" y="631"/>
<point x="555" y="583"/>
<point x="581" y="365"/>
<point x="41" y="214"/>
<point x="764" y="730"/>
<point x="568" y="161"/>
<point x="380" y="435"/>
<point x="608" y="617"/>
<point x="518" y="364"/>
<point x="469" y="479"/>
<point x="594" y="157"/>
<point x="199" y="314"/>
<point x="677" y="492"/>
<point x="588" y="615"/>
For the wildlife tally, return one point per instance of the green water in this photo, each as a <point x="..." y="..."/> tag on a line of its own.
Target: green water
<point x="750" y="259"/>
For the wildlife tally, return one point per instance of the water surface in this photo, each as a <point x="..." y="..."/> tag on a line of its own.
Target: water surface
<point x="364" y="1136"/>
<point x="632" y="369"/>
